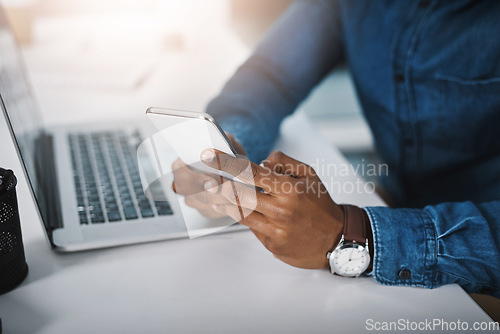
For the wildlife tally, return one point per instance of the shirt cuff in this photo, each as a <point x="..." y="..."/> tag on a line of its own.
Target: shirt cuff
<point x="404" y="243"/>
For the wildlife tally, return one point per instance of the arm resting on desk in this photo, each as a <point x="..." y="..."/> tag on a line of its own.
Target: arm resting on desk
<point x="437" y="245"/>
<point x="299" y="51"/>
<point x="296" y="219"/>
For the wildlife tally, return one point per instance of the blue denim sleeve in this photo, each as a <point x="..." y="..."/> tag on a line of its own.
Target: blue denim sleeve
<point x="440" y="244"/>
<point x="300" y="49"/>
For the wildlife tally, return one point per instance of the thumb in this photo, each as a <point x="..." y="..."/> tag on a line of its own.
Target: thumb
<point x="281" y="163"/>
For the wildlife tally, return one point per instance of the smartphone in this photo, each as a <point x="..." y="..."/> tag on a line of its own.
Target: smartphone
<point x="186" y="134"/>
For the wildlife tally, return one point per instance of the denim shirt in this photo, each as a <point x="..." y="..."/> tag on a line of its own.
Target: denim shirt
<point x="427" y="75"/>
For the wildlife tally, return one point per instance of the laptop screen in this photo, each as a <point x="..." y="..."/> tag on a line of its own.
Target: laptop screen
<point x="21" y="110"/>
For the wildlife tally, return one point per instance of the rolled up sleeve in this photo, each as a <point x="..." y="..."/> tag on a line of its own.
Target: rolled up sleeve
<point x="440" y="244"/>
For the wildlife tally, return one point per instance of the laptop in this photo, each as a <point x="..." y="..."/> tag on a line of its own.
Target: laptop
<point x="86" y="179"/>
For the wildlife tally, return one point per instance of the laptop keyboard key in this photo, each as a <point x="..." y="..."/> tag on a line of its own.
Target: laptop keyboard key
<point x="130" y="213"/>
<point x="97" y="219"/>
<point x="147" y="213"/>
<point x="163" y="208"/>
<point x="114" y="216"/>
<point x="83" y="218"/>
<point x="105" y="171"/>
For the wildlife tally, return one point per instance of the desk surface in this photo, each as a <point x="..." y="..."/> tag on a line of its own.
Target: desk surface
<point x="222" y="283"/>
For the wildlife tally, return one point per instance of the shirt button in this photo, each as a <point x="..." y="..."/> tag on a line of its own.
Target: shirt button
<point x="399" y="78"/>
<point x="404" y="274"/>
<point x="408" y="142"/>
<point x="424" y="4"/>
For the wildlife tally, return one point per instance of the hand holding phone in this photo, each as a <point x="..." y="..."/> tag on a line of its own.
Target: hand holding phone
<point x="195" y="185"/>
<point x="178" y="140"/>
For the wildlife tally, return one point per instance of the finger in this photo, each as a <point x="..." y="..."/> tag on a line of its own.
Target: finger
<point x="177" y="164"/>
<point x="211" y="214"/>
<point x="248" y="197"/>
<point x="189" y="182"/>
<point x="255" y="220"/>
<point x="236" y="212"/>
<point x="281" y="163"/>
<point x="241" y="168"/>
<point x="206" y="198"/>
<point x="205" y="210"/>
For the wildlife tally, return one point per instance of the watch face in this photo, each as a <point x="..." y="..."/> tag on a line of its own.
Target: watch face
<point x="350" y="260"/>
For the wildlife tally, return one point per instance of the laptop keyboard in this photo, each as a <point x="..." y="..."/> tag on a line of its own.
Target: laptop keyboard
<point x="107" y="182"/>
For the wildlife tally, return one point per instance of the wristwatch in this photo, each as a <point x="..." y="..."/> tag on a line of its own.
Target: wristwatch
<point x="351" y="257"/>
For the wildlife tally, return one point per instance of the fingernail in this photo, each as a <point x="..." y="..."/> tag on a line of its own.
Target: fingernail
<point x="211" y="186"/>
<point x="215" y="207"/>
<point x="208" y="156"/>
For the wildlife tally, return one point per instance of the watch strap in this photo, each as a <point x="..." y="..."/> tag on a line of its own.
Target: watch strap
<point x="355" y="222"/>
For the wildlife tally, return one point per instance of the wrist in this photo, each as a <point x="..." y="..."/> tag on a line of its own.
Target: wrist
<point x="353" y="255"/>
<point x="335" y="236"/>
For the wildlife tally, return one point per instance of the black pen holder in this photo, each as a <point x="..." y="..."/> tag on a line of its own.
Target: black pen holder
<point x="13" y="266"/>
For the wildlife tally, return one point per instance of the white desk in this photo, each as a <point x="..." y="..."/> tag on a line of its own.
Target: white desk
<point x="226" y="283"/>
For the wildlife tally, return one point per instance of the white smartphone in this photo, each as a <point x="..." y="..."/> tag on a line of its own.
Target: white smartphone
<point x="186" y="134"/>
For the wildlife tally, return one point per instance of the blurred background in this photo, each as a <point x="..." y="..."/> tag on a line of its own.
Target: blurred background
<point x="122" y="56"/>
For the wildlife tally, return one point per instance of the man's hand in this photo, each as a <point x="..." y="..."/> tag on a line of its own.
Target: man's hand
<point x="194" y="185"/>
<point x="293" y="216"/>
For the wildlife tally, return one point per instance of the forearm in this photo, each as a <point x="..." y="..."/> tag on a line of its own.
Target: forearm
<point x="302" y="47"/>
<point x="437" y="245"/>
